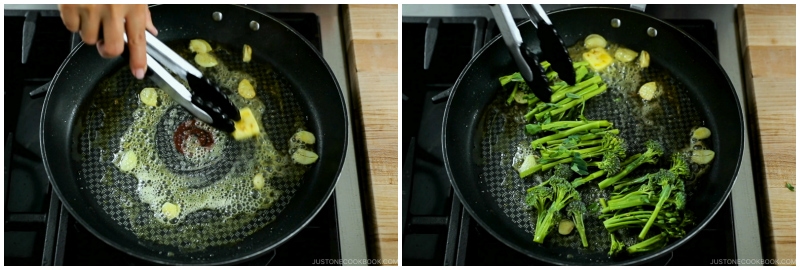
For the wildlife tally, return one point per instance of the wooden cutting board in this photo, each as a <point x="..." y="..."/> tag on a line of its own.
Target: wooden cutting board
<point x="371" y="36"/>
<point x="767" y="35"/>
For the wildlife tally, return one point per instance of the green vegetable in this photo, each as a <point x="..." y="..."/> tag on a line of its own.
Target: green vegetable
<point x="655" y="200"/>
<point x="533" y="129"/>
<point x="616" y="245"/>
<point x="527" y="166"/>
<point x="538" y="198"/>
<point x="548" y="198"/>
<point x="576" y="130"/>
<point x="516" y="77"/>
<point x="511" y="97"/>
<point x="654" y="150"/>
<point x="584" y="95"/>
<point x="670" y="221"/>
<point x="789" y="186"/>
<point x="576" y="210"/>
<point x="573" y="151"/>
<point x="667" y="180"/>
<point x="609" y="166"/>
<point x="564" y="193"/>
<point x="652" y="243"/>
<point x="563" y="172"/>
<point x="567" y="144"/>
<point x="580" y="72"/>
<point x="578" y="164"/>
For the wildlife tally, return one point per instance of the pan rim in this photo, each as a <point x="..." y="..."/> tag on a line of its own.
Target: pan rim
<point x="255" y="252"/>
<point x="629" y="261"/>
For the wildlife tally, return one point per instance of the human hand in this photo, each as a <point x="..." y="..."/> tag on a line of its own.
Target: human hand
<point x="115" y="20"/>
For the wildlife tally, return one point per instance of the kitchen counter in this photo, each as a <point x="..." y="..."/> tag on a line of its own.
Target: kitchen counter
<point x="371" y="39"/>
<point x="767" y="34"/>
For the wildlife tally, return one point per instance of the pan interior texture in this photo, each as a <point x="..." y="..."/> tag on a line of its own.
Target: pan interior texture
<point x="481" y="137"/>
<point x="190" y="197"/>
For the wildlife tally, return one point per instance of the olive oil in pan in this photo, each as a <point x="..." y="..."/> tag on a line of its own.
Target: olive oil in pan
<point x="167" y="207"/>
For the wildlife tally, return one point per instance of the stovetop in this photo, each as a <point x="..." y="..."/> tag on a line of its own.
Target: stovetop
<point x="438" y="41"/>
<point x="39" y="231"/>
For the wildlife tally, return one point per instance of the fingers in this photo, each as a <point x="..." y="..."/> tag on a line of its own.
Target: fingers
<point x="114" y="20"/>
<point x="70" y="17"/>
<point x="149" y="26"/>
<point x="112" y="43"/>
<point x="90" y="24"/>
<point x="135" y="27"/>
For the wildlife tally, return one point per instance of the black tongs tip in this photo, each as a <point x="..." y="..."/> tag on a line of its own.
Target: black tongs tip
<point x="209" y="98"/>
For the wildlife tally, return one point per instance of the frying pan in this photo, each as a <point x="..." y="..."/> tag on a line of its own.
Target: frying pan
<point x="474" y="129"/>
<point x="304" y="86"/>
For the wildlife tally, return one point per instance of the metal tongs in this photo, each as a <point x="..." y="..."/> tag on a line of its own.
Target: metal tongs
<point x="205" y="101"/>
<point x="553" y="49"/>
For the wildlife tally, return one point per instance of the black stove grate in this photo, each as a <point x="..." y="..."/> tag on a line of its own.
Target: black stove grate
<point x="436" y="228"/>
<point x="38" y="229"/>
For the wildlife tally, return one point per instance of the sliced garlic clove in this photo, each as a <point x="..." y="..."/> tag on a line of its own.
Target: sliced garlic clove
<point x="565" y="226"/>
<point x="258" y="181"/>
<point x="148" y="96"/>
<point x="246" y="53"/>
<point x="205" y="60"/>
<point x="170" y="210"/>
<point x="304" y="157"/>
<point x="702" y="156"/>
<point x="644" y="59"/>
<point x="246" y="89"/>
<point x="648" y="91"/>
<point x="199" y="46"/>
<point x="305" y="137"/>
<point x="701" y="133"/>
<point x="594" y="41"/>
<point x="128" y="161"/>
<point x="625" y="55"/>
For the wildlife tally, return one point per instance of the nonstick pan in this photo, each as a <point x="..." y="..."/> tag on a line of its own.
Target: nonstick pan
<point x="479" y="141"/>
<point x="297" y="88"/>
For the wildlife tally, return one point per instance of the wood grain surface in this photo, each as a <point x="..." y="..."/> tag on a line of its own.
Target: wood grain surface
<point x="769" y="52"/>
<point x="371" y="36"/>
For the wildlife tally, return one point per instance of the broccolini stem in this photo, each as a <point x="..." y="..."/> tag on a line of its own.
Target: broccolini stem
<point x="559" y="95"/>
<point x="579" y="101"/>
<point x="665" y="191"/>
<point x="620" y="185"/>
<point x="513" y="93"/>
<point x="625" y="171"/>
<point x="589" y="125"/>
<point x="566" y="104"/>
<point x="552" y="164"/>
<point x="543" y="228"/>
<point x="628" y="203"/>
<point x="586" y="137"/>
<point x="651" y="243"/>
<point x="580" y="181"/>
